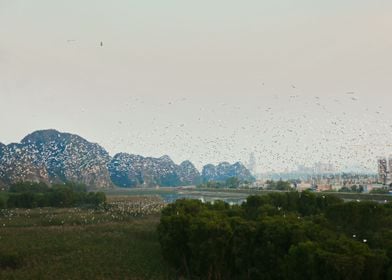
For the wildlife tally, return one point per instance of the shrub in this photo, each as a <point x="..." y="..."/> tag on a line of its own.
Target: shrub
<point x="10" y="260"/>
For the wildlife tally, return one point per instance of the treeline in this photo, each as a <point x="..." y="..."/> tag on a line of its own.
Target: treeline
<point x="231" y="183"/>
<point x="32" y="195"/>
<point x="234" y="183"/>
<point x="278" y="185"/>
<point x="278" y="236"/>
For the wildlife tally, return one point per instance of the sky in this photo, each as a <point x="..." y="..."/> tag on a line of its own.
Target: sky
<point x="294" y="82"/>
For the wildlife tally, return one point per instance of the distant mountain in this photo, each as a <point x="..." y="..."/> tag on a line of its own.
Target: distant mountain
<point x="225" y="170"/>
<point x="53" y="157"/>
<point x="133" y="170"/>
<point x="2" y="147"/>
<point x="188" y="173"/>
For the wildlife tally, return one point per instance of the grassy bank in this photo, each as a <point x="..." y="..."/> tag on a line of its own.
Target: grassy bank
<point x="79" y="244"/>
<point x="226" y="192"/>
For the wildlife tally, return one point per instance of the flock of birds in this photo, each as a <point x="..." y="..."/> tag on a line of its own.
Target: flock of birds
<point x="283" y="131"/>
<point x="114" y="211"/>
<point x="283" y="134"/>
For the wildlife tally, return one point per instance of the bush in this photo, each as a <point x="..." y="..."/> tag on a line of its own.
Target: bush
<point x="2" y="203"/>
<point x="29" y="187"/>
<point x="10" y="260"/>
<point x="21" y="200"/>
<point x="40" y="195"/>
<point x="380" y="191"/>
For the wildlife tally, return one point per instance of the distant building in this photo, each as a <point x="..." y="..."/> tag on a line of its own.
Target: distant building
<point x="323" y="188"/>
<point x="304" y="186"/>
<point x="389" y="174"/>
<point x="373" y="187"/>
<point x="383" y="170"/>
<point x="304" y="169"/>
<point x="252" y="163"/>
<point x="317" y="168"/>
<point x="322" y="167"/>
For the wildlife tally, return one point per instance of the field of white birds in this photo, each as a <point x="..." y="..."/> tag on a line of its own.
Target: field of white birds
<point x="116" y="241"/>
<point x="117" y="209"/>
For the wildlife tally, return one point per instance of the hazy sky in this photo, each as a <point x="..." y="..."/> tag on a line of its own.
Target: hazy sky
<point x="295" y="82"/>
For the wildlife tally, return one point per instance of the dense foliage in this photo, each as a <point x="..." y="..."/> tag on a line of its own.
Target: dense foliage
<point x="279" y="185"/>
<point x="353" y="188"/>
<point x="31" y="195"/>
<point x="278" y="236"/>
<point x="380" y="191"/>
<point x="231" y="183"/>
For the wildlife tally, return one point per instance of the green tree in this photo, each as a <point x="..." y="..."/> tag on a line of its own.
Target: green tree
<point x="232" y="182"/>
<point x="287" y="235"/>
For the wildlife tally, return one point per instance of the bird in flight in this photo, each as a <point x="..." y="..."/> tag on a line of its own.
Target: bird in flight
<point x="101" y="44"/>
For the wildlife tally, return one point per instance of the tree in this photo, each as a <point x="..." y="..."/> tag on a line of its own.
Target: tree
<point x="379" y="191"/>
<point x="232" y="182"/>
<point x="278" y="236"/>
<point x="2" y="203"/>
<point x="283" y="185"/>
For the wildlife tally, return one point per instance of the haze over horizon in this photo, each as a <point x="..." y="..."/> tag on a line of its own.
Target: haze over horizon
<point x="295" y="83"/>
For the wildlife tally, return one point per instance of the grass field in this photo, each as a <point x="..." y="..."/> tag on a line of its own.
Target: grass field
<point x="118" y="243"/>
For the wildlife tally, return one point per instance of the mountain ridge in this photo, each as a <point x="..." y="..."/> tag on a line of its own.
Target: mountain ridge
<point x="224" y="171"/>
<point x="51" y="156"/>
<point x="128" y="170"/>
